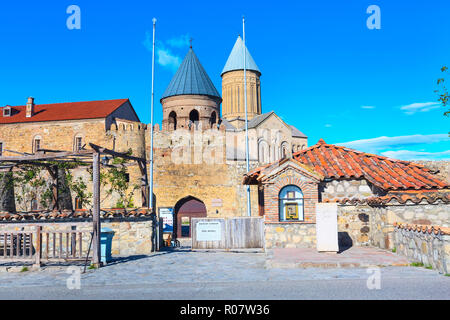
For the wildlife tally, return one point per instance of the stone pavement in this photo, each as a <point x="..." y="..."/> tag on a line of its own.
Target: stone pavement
<point x="356" y="257"/>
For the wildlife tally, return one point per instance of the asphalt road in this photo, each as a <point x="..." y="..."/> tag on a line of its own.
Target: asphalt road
<point x="223" y="276"/>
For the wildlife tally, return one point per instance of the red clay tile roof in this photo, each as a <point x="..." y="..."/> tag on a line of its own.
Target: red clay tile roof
<point x="402" y="197"/>
<point x="423" y="228"/>
<point x="77" y="215"/>
<point x="63" y="111"/>
<point x="337" y="162"/>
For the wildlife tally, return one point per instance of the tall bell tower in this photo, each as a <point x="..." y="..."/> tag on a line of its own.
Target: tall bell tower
<point x="233" y="106"/>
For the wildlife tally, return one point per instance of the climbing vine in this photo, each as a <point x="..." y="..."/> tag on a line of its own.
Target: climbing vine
<point x="32" y="183"/>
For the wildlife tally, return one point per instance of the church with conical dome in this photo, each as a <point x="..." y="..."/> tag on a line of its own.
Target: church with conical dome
<point x="200" y="157"/>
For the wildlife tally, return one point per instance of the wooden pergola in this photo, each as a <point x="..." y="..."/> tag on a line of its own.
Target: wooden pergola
<point x="90" y="158"/>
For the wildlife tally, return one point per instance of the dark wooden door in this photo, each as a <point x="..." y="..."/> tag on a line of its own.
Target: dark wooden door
<point x="192" y="208"/>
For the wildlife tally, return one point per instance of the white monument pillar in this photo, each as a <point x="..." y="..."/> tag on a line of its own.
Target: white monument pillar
<point x="326" y="227"/>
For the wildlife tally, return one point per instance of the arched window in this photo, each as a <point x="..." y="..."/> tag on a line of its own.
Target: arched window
<point x="194" y="118"/>
<point x="263" y="152"/>
<point x="78" y="143"/>
<point x="173" y="120"/>
<point x="213" y="119"/>
<point x="284" y="150"/>
<point x="291" y="204"/>
<point x="37" y="143"/>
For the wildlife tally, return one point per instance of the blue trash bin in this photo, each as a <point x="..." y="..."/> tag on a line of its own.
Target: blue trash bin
<point x="106" y="236"/>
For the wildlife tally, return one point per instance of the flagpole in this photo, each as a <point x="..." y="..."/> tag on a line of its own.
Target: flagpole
<point x="249" y="210"/>
<point x="151" y="120"/>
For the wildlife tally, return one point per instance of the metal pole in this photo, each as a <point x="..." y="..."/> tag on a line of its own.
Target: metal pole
<point x="96" y="258"/>
<point x="151" y="119"/>
<point x="249" y="210"/>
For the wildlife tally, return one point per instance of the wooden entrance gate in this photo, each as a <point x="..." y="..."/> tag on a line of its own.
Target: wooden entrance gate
<point x="228" y="233"/>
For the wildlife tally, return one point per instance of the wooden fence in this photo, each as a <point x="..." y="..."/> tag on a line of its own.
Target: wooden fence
<point x="228" y="233"/>
<point x="44" y="246"/>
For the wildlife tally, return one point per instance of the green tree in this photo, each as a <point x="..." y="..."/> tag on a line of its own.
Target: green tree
<point x="442" y="91"/>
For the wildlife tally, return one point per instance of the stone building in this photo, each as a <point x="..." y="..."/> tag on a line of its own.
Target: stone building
<point x="38" y="128"/>
<point x="372" y="193"/>
<point x="199" y="148"/>
<point x="200" y="161"/>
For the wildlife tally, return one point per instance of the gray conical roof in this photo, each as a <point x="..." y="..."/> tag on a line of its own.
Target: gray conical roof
<point x="190" y="78"/>
<point x="236" y="59"/>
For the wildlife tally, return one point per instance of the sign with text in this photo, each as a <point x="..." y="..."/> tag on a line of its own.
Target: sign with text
<point x="209" y="231"/>
<point x="167" y="215"/>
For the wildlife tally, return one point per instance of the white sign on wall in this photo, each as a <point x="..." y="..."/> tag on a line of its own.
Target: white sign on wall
<point x="209" y="231"/>
<point x="326" y="227"/>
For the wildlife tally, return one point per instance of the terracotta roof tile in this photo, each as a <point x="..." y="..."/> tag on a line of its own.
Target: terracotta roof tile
<point x="64" y="111"/>
<point x="423" y="228"/>
<point x="79" y="214"/>
<point x="337" y="162"/>
<point x="389" y="174"/>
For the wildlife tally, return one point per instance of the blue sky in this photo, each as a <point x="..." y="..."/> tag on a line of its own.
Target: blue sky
<point x="322" y="69"/>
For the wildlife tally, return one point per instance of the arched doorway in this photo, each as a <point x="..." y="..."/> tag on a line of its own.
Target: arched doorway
<point x="185" y="210"/>
<point x="194" y="118"/>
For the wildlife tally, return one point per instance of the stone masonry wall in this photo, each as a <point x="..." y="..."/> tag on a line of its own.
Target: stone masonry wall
<point x="383" y="218"/>
<point x="443" y="166"/>
<point x="354" y="225"/>
<point x="428" y="248"/>
<point x="290" y="235"/>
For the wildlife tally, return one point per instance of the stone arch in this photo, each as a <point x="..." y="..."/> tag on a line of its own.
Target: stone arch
<point x="284" y="150"/>
<point x="173" y="121"/>
<point x="186" y="209"/>
<point x="213" y="119"/>
<point x="194" y="118"/>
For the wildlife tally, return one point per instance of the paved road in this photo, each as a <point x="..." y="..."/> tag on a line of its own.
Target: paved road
<point x="214" y="275"/>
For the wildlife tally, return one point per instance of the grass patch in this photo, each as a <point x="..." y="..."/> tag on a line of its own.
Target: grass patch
<point x="394" y="250"/>
<point x="417" y="264"/>
<point x="91" y="267"/>
<point x="447" y="274"/>
<point x="429" y="267"/>
<point x="24" y="269"/>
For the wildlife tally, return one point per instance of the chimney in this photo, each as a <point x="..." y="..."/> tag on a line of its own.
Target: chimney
<point x="30" y="107"/>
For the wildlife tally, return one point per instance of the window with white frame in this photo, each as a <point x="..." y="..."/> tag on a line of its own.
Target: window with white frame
<point x="37" y="144"/>
<point x="291" y="204"/>
<point x="7" y="112"/>
<point x="78" y="143"/>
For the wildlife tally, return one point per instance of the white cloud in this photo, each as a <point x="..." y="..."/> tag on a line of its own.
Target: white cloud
<point x="179" y="42"/>
<point x="416" y="155"/>
<point x="167" y="59"/>
<point x="368" y="107"/>
<point x="389" y="142"/>
<point x="396" y="147"/>
<point x="164" y="55"/>
<point x="419" y="107"/>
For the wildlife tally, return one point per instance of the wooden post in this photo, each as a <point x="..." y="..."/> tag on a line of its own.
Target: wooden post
<point x="96" y="259"/>
<point x="38" y="253"/>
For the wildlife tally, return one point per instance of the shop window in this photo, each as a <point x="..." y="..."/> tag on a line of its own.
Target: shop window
<point x="291" y="204"/>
